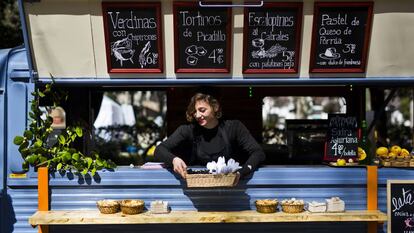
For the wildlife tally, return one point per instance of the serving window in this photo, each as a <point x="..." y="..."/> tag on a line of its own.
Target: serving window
<point x="125" y="124"/>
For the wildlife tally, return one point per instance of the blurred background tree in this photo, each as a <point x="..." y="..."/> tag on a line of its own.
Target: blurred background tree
<point x="10" y="27"/>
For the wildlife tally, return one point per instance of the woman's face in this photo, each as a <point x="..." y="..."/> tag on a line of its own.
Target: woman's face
<point x="205" y="115"/>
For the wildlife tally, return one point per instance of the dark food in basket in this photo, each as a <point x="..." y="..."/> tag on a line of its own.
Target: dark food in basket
<point x="197" y="171"/>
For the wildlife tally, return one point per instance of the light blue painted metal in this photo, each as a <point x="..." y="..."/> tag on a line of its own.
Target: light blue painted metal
<point x="385" y="174"/>
<point x="4" y="53"/>
<point x="18" y="88"/>
<point x="143" y="81"/>
<point x="26" y="38"/>
<point x="281" y="182"/>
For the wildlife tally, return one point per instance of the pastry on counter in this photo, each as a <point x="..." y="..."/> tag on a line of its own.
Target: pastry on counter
<point x="335" y="204"/>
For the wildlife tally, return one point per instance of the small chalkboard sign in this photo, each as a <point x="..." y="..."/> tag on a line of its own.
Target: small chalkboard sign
<point x="202" y="38"/>
<point x="272" y="38"/>
<point x="400" y="206"/>
<point x="340" y="37"/>
<point x="342" y="137"/>
<point x="133" y="37"/>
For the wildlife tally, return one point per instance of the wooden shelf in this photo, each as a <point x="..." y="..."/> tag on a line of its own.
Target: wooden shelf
<point x="94" y="217"/>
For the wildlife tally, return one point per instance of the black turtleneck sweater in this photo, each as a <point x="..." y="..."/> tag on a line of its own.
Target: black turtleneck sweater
<point x="197" y="145"/>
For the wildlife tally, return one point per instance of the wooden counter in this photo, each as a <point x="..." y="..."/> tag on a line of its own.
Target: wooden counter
<point x="94" y="217"/>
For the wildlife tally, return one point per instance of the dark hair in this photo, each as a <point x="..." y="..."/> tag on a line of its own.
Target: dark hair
<point x="213" y="102"/>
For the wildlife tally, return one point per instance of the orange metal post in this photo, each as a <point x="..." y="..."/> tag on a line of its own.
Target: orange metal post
<point x="43" y="194"/>
<point x="372" y="194"/>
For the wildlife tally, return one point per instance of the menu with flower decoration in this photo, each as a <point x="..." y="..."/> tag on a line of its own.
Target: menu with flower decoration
<point x="202" y="38"/>
<point x="340" y="37"/>
<point x="400" y="206"/>
<point x="133" y="37"/>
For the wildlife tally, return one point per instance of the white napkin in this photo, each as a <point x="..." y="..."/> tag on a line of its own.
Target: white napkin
<point x="220" y="167"/>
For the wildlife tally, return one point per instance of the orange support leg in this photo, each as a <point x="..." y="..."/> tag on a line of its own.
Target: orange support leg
<point x="43" y="194"/>
<point x="372" y="194"/>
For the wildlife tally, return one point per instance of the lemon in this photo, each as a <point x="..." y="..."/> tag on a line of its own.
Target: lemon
<point x="392" y="155"/>
<point x="396" y="149"/>
<point x="361" y="154"/>
<point x="341" y="162"/>
<point x="381" y="151"/>
<point x="404" y="153"/>
<point x="150" y="151"/>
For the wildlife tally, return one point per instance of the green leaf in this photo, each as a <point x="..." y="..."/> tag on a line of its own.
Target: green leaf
<point x="78" y="131"/>
<point x="42" y="159"/>
<point x="38" y="143"/>
<point x="66" y="157"/>
<point x="28" y="134"/>
<point x="25" y="165"/>
<point x="41" y="94"/>
<point x="31" y="159"/>
<point x="84" y="171"/>
<point x="93" y="171"/>
<point x="73" y="137"/>
<point x="99" y="162"/>
<point x="59" y="166"/>
<point x="75" y="156"/>
<point x="89" y="160"/>
<point x="18" y="140"/>
<point x="61" y="139"/>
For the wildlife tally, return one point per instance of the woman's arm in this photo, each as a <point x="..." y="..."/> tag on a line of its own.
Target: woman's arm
<point x="246" y="141"/>
<point x="163" y="152"/>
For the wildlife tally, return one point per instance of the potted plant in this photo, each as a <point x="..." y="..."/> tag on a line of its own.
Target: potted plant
<point x="37" y="152"/>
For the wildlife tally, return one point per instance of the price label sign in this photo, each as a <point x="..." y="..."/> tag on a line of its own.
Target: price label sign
<point x="342" y="140"/>
<point x="202" y="38"/>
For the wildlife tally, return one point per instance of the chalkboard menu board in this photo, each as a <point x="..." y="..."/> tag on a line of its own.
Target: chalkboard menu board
<point x="400" y="206"/>
<point x="202" y="38"/>
<point x="271" y="38"/>
<point x="133" y="37"/>
<point x="340" y="38"/>
<point x="342" y="140"/>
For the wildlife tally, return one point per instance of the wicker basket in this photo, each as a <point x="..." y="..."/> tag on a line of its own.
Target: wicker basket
<point x="210" y="180"/>
<point x="132" y="206"/>
<point x="292" y="208"/>
<point x="108" y="206"/>
<point x="266" y="206"/>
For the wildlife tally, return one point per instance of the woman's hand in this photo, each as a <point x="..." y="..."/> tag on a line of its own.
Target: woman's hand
<point x="179" y="166"/>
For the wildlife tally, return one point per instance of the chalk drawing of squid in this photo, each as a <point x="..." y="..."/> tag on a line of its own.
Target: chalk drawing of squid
<point x="408" y="222"/>
<point x="122" y="50"/>
<point x="142" y="58"/>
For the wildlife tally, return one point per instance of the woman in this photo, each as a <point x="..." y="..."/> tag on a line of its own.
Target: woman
<point x="207" y="138"/>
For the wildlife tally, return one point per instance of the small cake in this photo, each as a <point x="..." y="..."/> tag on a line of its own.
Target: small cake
<point x="335" y="204"/>
<point x="266" y="206"/>
<point x="292" y="205"/>
<point x="159" y="207"/>
<point x="316" y="207"/>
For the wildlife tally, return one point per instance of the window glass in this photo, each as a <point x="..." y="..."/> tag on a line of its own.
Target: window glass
<point x="399" y="119"/>
<point x="277" y="110"/>
<point x="129" y="124"/>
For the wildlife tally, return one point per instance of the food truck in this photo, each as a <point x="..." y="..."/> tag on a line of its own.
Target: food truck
<point x="153" y="56"/>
